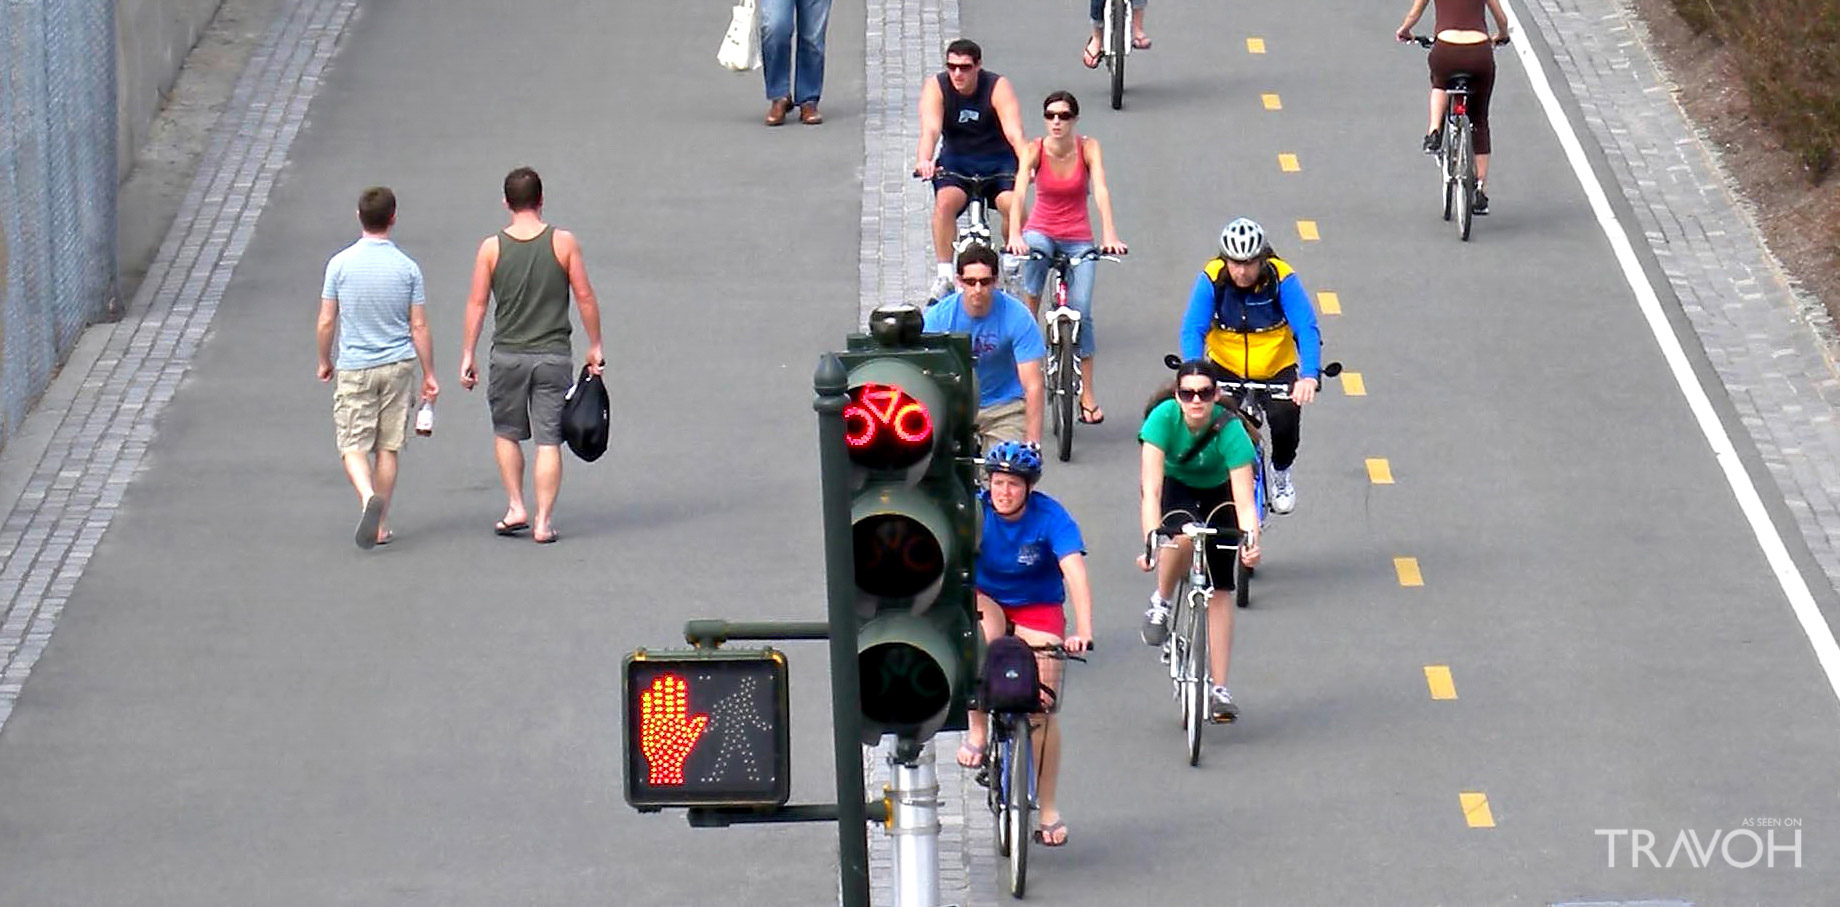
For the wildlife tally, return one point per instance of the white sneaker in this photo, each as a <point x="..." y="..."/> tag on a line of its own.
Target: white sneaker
<point x="1283" y="491"/>
<point x="1224" y="709"/>
<point x="943" y="286"/>
<point x="1156" y="622"/>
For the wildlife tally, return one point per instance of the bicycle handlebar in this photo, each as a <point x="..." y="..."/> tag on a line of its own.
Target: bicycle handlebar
<point x="1059" y="650"/>
<point x="1328" y="370"/>
<point x="1092" y="254"/>
<point x="1423" y="41"/>
<point x="975" y="181"/>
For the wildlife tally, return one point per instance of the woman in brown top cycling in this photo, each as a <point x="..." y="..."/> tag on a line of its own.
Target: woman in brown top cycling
<point x="1463" y="46"/>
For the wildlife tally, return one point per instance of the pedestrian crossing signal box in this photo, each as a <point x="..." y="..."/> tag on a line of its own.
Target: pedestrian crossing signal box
<point x="707" y="728"/>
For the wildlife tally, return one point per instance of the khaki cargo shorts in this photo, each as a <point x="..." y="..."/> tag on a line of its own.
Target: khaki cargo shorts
<point x="1002" y="422"/>
<point x="370" y="406"/>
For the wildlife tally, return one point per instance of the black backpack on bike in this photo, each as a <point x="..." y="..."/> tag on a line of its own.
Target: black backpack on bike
<point x="1012" y="680"/>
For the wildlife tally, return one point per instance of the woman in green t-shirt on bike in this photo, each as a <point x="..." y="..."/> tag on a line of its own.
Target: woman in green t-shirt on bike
<point x="1197" y="460"/>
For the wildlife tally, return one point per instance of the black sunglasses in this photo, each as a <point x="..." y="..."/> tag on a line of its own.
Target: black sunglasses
<point x="977" y="281"/>
<point x="961" y="67"/>
<point x="1059" y="114"/>
<point x="1197" y="394"/>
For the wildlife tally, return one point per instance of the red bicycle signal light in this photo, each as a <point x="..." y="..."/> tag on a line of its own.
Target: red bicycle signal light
<point x="886" y="427"/>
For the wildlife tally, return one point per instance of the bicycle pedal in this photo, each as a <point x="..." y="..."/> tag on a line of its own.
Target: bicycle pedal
<point x="982" y="777"/>
<point x="1222" y="719"/>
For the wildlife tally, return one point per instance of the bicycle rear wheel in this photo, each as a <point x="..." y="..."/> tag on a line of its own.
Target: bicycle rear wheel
<point x="1196" y="698"/>
<point x="1115" y="48"/>
<point x="1021" y="765"/>
<point x="1447" y="181"/>
<point x="1466" y="178"/>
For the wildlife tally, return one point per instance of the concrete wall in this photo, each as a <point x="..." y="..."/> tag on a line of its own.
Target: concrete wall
<point x="152" y="38"/>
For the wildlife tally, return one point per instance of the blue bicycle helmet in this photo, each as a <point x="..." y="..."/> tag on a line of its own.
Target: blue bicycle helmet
<point x="1015" y="458"/>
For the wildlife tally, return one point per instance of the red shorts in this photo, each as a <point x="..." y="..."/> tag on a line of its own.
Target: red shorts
<point x="1050" y="618"/>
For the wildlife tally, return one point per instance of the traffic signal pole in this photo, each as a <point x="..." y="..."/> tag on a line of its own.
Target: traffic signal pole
<point x="831" y="384"/>
<point x="913" y="822"/>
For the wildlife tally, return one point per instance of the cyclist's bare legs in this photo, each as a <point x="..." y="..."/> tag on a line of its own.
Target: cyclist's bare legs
<point x="1088" y="400"/>
<point x="1220" y="634"/>
<point x="1002" y="203"/>
<point x="1439" y="101"/>
<point x="948" y="201"/>
<point x="1482" y="170"/>
<point x="1171" y="566"/>
<point x="993" y="625"/>
<point x="1047" y="736"/>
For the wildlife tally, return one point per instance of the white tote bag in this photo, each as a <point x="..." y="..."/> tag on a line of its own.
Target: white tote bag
<point x="740" y="50"/>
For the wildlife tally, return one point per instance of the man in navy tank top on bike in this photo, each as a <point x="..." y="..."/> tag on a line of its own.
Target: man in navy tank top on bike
<point x="972" y="115"/>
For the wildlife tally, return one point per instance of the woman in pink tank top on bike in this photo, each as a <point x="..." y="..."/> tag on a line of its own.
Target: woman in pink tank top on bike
<point x="1065" y="168"/>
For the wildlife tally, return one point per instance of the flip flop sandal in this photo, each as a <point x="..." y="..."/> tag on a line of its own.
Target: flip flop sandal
<point x="976" y="753"/>
<point x="386" y="538"/>
<point x="503" y="528"/>
<point x="553" y="537"/>
<point x="1089" y="56"/>
<point x="1045" y="834"/>
<point x="1140" y="42"/>
<point x="366" y="536"/>
<point x="1086" y="413"/>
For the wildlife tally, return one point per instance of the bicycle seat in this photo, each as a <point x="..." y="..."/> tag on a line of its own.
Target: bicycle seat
<point x="1459" y="82"/>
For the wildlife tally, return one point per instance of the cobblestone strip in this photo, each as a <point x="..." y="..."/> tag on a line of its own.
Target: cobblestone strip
<point x="906" y="43"/>
<point x="1772" y="346"/>
<point x="51" y="532"/>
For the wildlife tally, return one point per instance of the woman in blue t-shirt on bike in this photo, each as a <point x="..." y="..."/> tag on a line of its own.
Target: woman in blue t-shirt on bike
<point x="1031" y="562"/>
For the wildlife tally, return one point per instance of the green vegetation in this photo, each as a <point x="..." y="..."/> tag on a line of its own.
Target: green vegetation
<point x="1788" y="54"/>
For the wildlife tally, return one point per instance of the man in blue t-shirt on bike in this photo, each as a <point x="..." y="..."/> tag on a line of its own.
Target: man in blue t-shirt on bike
<point x="1031" y="563"/>
<point x="1006" y="344"/>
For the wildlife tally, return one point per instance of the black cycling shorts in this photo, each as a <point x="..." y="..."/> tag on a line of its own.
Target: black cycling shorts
<point x="1214" y="506"/>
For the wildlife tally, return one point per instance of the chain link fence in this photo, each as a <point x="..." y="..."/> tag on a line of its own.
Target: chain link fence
<point x="57" y="188"/>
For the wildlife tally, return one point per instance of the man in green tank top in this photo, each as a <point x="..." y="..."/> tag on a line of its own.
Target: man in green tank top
<point x="529" y="269"/>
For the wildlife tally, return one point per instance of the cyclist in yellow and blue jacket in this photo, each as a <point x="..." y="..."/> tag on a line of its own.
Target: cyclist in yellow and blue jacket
<point x="1250" y="316"/>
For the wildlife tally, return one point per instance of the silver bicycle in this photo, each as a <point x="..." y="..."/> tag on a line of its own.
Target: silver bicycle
<point x="1186" y="650"/>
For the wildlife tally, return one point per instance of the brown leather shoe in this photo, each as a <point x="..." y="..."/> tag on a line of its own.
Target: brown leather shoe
<point x="809" y="115"/>
<point x="776" y="112"/>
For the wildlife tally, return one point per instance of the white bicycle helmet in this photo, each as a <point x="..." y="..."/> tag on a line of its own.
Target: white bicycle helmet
<point x="1242" y="239"/>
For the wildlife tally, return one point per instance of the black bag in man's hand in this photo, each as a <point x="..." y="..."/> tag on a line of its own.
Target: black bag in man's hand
<point x="584" y="417"/>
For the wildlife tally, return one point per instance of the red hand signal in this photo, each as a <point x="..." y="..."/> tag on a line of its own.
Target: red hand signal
<point x="667" y="731"/>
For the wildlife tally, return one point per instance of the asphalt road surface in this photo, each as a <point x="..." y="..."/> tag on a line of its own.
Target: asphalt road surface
<point x="241" y="708"/>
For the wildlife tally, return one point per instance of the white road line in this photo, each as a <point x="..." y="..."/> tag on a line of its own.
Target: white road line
<point x="1801" y="599"/>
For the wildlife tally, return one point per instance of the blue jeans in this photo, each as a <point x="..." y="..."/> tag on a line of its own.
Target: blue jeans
<point x="1098" y="10"/>
<point x="778" y="20"/>
<point x="1079" y="282"/>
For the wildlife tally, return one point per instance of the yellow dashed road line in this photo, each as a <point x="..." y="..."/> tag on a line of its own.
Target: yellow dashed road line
<point x="1352" y="385"/>
<point x="1255" y="45"/>
<point x="1271" y="100"/>
<point x="1379" y="471"/>
<point x="1437" y="677"/>
<point x="1407" y="568"/>
<point x="1476" y="809"/>
<point x="1288" y="163"/>
<point x="1329" y="302"/>
<point x="1306" y="230"/>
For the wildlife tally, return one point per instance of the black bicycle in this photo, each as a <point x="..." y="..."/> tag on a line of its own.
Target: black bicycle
<point x="1062" y="328"/>
<point x="1010" y="774"/>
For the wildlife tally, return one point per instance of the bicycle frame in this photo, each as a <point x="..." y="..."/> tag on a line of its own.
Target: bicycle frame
<point x="1010" y="740"/>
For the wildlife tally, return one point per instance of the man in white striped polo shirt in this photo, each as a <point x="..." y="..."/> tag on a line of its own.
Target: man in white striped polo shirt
<point x="374" y="298"/>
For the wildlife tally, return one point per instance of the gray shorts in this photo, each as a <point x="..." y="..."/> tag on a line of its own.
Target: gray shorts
<point x="525" y="391"/>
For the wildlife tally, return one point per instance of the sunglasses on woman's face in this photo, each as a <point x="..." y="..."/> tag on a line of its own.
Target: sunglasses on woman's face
<point x="1197" y="394"/>
<point x="1058" y="114"/>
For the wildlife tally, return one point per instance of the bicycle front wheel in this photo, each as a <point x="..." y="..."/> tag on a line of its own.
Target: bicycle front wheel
<point x="1020" y="773"/>
<point x="998" y="767"/>
<point x="1197" y="698"/>
<point x="1121" y="27"/>
<point x="1065" y="396"/>
<point x="1466" y="179"/>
